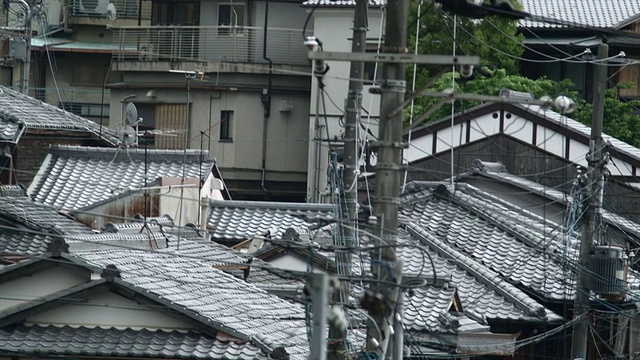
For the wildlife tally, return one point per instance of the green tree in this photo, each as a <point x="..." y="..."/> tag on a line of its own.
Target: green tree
<point x="495" y="40"/>
<point x="620" y="120"/>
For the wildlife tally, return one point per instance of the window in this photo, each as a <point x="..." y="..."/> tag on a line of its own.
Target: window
<point x="183" y="13"/>
<point x="163" y="126"/>
<point x="230" y="19"/>
<point x="85" y="110"/>
<point x="226" y="125"/>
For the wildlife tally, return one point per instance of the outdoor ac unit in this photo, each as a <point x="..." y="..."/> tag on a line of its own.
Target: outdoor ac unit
<point x="53" y="9"/>
<point x="94" y="6"/>
<point x="608" y="273"/>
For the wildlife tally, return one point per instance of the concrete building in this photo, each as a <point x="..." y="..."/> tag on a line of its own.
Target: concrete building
<point x="248" y="104"/>
<point x="333" y="23"/>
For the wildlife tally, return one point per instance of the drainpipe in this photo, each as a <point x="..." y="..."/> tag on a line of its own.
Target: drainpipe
<point x="266" y="95"/>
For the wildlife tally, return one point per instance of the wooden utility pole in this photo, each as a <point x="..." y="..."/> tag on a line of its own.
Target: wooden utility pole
<point x="594" y="190"/>
<point x="389" y="171"/>
<point x="348" y="205"/>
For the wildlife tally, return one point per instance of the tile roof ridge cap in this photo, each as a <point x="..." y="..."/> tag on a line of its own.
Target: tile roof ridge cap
<point x="501" y="286"/>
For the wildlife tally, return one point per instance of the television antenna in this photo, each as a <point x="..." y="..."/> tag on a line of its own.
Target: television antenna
<point x="128" y="135"/>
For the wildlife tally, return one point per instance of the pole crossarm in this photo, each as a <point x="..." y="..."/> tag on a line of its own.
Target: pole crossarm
<point x="394" y="58"/>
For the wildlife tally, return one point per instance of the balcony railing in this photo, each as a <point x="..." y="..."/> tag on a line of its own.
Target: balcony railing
<point x="209" y="43"/>
<point x="125" y="9"/>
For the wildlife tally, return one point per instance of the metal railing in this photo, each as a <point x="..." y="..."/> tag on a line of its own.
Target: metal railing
<point x="209" y="43"/>
<point x="125" y="9"/>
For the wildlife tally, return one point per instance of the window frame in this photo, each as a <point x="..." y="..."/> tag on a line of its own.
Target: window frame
<point x="226" y="126"/>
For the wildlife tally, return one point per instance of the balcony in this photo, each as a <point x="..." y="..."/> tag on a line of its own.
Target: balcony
<point x="208" y="44"/>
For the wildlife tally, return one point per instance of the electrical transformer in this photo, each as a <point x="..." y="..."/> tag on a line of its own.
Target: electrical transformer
<point x="608" y="271"/>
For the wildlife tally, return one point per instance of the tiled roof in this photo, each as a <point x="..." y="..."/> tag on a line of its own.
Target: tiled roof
<point x="341" y="3"/>
<point x="227" y="260"/>
<point x="239" y="220"/>
<point x="226" y="303"/>
<point x="13" y="191"/>
<point x="38" y="341"/>
<point x="481" y="291"/>
<point x="592" y="13"/>
<point x="626" y="225"/>
<point x="496" y="236"/>
<point x="23" y="243"/>
<point x="19" y="111"/>
<point x="75" y="177"/>
<point x="427" y="310"/>
<point x="39" y="217"/>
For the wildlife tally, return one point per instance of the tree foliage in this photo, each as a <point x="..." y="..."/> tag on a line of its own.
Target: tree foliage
<point x="495" y="40"/>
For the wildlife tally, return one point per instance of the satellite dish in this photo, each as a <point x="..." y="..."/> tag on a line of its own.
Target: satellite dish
<point x="112" y="13"/>
<point x="127" y="135"/>
<point x="131" y="113"/>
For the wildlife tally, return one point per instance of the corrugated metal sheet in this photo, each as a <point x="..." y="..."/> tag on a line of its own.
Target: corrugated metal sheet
<point x="172" y="119"/>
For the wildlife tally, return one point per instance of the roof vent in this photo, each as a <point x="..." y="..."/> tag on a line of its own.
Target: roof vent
<point x="488" y="167"/>
<point x="609" y="271"/>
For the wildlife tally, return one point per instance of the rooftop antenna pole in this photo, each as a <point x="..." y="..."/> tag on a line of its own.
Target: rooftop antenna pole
<point x="590" y="230"/>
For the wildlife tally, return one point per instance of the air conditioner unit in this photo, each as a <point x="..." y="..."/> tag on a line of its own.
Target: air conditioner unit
<point x="53" y="9"/>
<point x="94" y="6"/>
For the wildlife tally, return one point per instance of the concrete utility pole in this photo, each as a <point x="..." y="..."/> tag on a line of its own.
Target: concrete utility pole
<point x="336" y="348"/>
<point x="24" y="58"/>
<point x="595" y="186"/>
<point x="320" y="304"/>
<point x="389" y="169"/>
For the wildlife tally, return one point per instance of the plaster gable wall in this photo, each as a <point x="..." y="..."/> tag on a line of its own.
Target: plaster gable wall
<point x="515" y="127"/>
<point x="291" y="262"/>
<point x="108" y="310"/>
<point x="37" y="285"/>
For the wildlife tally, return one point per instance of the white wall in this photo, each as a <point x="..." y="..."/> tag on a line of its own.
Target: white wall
<point x="108" y="310"/>
<point x="292" y="263"/>
<point x="36" y="286"/>
<point x="334" y="28"/>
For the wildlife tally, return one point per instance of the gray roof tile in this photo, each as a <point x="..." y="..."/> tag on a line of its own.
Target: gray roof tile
<point x="239" y="220"/>
<point x="480" y="290"/>
<point x="39" y="340"/>
<point x="23" y="243"/>
<point x="224" y="300"/>
<point x="600" y="13"/>
<point x="75" y="177"/>
<point x="39" y="217"/>
<point x="481" y="229"/>
<point x="19" y="111"/>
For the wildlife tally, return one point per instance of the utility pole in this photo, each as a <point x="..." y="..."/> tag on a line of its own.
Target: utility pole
<point x="320" y="303"/>
<point x="22" y="50"/>
<point x="389" y="171"/>
<point x="348" y="205"/>
<point x="595" y="184"/>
